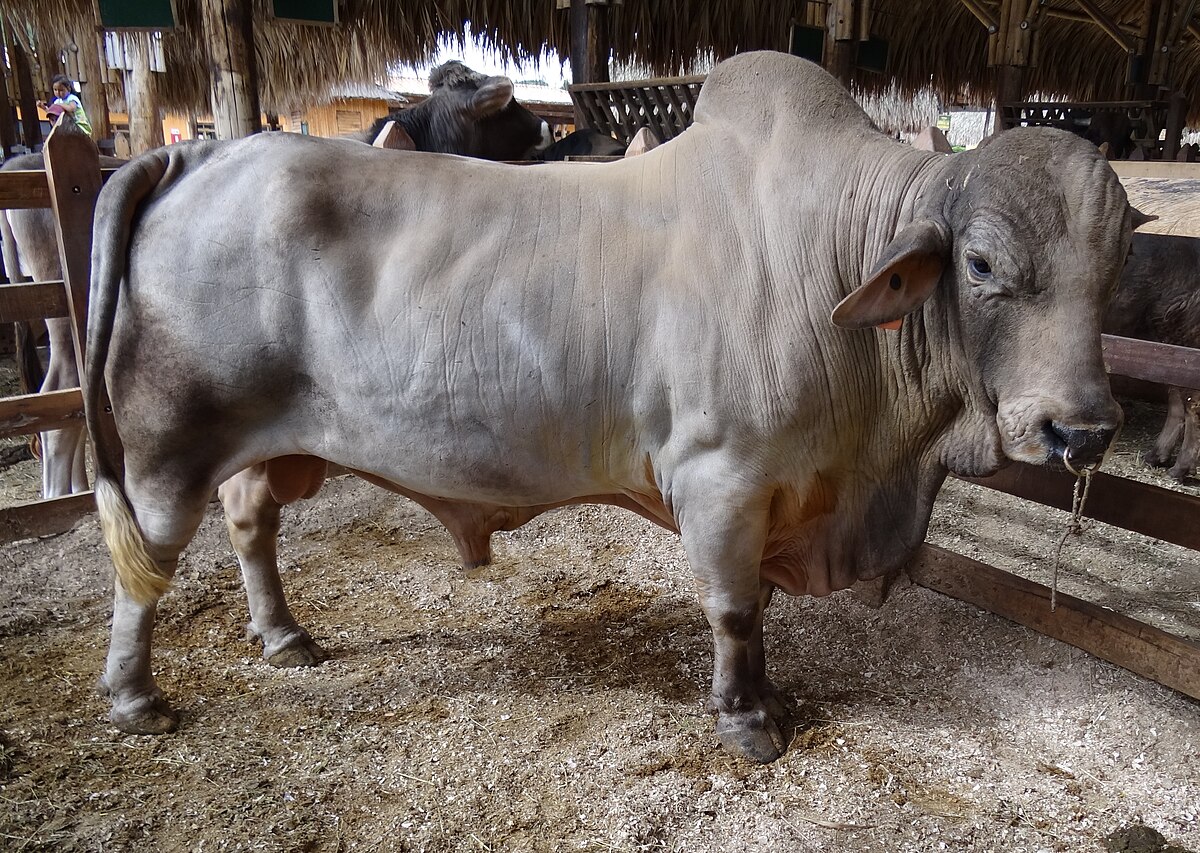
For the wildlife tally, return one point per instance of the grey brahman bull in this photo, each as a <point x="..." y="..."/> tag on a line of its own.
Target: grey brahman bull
<point x="494" y="341"/>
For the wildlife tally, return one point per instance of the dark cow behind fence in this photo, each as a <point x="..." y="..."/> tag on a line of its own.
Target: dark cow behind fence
<point x="471" y="114"/>
<point x="583" y="143"/>
<point x="653" y="333"/>
<point x="1159" y="300"/>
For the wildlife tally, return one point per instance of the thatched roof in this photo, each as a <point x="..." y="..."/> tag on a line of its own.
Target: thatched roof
<point x="934" y="44"/>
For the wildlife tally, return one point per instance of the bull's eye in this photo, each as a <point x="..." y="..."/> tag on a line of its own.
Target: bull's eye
<point x="979" y="268"/>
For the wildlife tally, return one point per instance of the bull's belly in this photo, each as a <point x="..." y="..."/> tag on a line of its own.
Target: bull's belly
<point x="521" y="465"/>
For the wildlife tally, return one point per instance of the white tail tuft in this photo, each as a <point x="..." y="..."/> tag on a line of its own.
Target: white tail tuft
<point x="139" y="574"/>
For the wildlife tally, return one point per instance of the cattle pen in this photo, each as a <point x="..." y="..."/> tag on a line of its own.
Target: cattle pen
<point x="586" y="625"/>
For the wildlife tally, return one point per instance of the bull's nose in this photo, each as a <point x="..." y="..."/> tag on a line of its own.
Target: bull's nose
<point x="1083" y="447"/>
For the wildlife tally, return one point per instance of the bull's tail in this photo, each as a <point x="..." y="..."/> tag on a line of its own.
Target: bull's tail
<point x="140" y="575"/>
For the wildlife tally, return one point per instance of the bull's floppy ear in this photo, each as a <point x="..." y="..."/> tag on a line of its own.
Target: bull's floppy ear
<point x="492" y="96"/>
<point x="904" y="278"/>
<point x="1139" y="218"/>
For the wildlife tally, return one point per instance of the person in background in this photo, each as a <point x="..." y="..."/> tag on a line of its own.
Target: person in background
<point x="65" y="97"/>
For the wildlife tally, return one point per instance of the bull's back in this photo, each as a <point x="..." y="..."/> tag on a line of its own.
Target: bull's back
<point x="309" y="296"/>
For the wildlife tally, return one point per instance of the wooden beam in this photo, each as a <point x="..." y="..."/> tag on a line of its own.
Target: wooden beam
<point x="1155" y="169"/>
<point x="1106" y="23"/>
<point x="1128" y="504"/>
<point x="1140" y="648"/>
<point x="1179" y="23"/>
<point x="44" y="518"/>
<point x="24" y="189"/>
<point x="1153" y="362"/>
<point x="29" y="413"/>
<point x="1082" y="18"/>
<point x="20" y="303"/>
<point x="27" y="188"/>
<point x="982" y="15"/>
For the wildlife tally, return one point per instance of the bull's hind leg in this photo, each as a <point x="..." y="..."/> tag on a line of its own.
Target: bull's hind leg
<point x="63" y="470"/>
<point x="252" y="518"/>
<point x="166" y="526"/>
<point x="724" y="541"/>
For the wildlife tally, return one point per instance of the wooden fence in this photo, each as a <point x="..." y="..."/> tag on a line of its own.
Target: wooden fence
<point x="70" y="186"/>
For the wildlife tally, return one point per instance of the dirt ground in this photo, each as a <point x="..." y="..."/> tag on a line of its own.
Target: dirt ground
<point x="554" y="700"/>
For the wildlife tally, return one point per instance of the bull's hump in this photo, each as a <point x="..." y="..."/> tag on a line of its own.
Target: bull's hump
<point x="754" y="91"/>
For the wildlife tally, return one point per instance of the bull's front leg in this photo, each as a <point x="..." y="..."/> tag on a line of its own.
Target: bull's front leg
<point x="1189" y="449"/>
<point x="63" y="463"/>
<point x="724" y="540"/>
<point x="252" y="518"/>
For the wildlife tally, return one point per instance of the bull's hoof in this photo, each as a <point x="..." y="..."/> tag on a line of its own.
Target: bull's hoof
<point x="300" y="651"/>
<point x="146" y="715"/>
<point x="1154" y="460"/>
<point x="753" y="735"/>
<point x="1182" y="475"/>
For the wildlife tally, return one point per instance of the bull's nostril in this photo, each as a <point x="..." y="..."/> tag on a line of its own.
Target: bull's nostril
<point x="1085" y="446"/>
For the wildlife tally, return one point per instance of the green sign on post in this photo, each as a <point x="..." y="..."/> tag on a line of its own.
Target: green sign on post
<point x="306" y="11"/>
<point x="138" y="14"/>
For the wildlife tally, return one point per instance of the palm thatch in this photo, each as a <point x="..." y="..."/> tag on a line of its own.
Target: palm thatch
<point x="935" y="45"/>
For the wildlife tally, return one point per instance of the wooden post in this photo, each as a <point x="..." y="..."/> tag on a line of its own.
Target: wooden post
<point x="8" y="117"/>
<point x="1157" y="74"/>
<point x="73" y="172"/>
<point x="234" y="94"/>
<point x="840" y="44"/>
<point x="1010" y="51"/>
<point x="1139" y="63"/>
<point x="598" y="44"/>
<point x="1176" y="118"/>
<point x="145" y="121"/>
<point x="31" y="129"/>
<point x="93" y="94"/>
<point x="581" y="72"/>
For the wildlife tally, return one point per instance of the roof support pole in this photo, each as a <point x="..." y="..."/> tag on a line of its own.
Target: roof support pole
<point x="1139" y="65"/>
<point x="31" y="128"/>
<point x="8" y="116"/>
<point x="145" y="118"/>
<point x="234" y="76"/>
<point x="1010" y="51"/>
<point x="92" y="92"/>
<point x="840" y="44"/>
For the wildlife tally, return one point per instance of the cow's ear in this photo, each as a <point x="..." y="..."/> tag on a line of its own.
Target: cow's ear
<point x="492" y="96"/>
<point x="1139" y="218"/>
<point x="904" y="278"/>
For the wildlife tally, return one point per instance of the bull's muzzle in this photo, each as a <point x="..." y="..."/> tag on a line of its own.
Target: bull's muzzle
<point x="1078" y="447"/>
